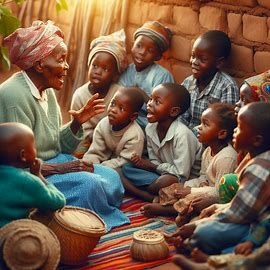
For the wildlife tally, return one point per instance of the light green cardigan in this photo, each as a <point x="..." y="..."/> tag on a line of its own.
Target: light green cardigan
<point x="17" y="104"/>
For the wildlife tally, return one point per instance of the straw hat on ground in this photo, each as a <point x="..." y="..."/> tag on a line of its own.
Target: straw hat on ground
<point x="27" y="245"/>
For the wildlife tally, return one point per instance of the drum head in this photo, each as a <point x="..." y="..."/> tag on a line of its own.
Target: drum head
<point x="80" y="220"/>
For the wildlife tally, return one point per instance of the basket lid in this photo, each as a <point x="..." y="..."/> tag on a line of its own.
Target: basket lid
<point x="148" y="237"/>
<point x="80" y="220"/>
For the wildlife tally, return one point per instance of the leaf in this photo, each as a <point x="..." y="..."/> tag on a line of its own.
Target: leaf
<point x="64" y="4"/>
<point x="4" y="11"/>
<point x="8" y="24"/>
<point x="4" y="58"/>
<point x="19" y="2"/>
<point x="60" y="5"/>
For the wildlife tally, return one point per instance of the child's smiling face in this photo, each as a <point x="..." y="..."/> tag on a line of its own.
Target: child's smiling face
<point x="203" y="60"/>
<point x="144" y="52"/>
<point x="159" y="105"/>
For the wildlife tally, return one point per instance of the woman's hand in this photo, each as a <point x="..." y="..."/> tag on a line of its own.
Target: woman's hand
<point x="93" y="107"/>
<point x="141" y="163"/>
<point x="67" y="167"/>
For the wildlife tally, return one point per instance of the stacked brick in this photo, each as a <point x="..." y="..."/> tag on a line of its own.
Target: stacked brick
<point x="246" y="22"/>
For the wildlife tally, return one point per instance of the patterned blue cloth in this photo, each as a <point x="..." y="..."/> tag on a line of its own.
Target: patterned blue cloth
<point x="222" y="88"/>
<point x="101" y="191"/>
<point x="146" y="79"/>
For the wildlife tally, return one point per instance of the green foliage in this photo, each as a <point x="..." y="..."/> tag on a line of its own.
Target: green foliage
<point x="9" y="23"/>
<point x="4" y="60"/>
<point x="60" y="5"/>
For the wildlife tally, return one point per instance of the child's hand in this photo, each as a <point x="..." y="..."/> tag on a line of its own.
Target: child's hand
<point x="244" y="248"/>
<point x="209" y="211"/>
<point x="201" y="202"/>
<point x="183" y="192"/>
<point x="35" y="167"/>
<point x="141" y="163"/>
<point x="187" y="230"/>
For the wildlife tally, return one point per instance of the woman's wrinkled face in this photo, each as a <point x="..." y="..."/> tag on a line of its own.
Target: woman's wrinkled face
<point x="55" y="67"/>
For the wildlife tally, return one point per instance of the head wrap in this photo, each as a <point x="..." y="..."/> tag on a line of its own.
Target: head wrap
<point x="260" y="86"/>
<point x="115" y="44"/>
<point x="159" y="33"/>
<point x="31" y="44"/>
<point x="228" y="186"/>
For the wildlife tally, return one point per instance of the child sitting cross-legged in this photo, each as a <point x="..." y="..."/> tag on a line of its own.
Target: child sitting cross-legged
<point x="151" y="40"/>
<point x="118" y="136"/>
<point x="106" y="61"/>
<point x="22" y="190"/>
<point x="219" y="158"/>
<point x="174" y="151"/>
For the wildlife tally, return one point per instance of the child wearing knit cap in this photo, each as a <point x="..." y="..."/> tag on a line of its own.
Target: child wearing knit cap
<point x="106" y="61"/>
<point x="150" y="42"/>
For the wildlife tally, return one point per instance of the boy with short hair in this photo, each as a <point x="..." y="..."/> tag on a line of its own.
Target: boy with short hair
<point x="118" y="136"/>
<point x="151" y="41"/>
<point x="208" y="84"/>
<point x="20" y="189"/>
<point x="174" y="151"/>
<point x="251" y="203"/>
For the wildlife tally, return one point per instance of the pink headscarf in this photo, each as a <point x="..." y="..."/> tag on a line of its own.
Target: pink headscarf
<point x="31" y="44"/>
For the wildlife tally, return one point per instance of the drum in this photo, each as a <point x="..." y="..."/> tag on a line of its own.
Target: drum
<point x="78" y="231"/>
<point x="148" y="245"/>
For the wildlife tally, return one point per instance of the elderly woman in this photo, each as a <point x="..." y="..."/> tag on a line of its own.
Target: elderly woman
<point x="28" y="97"/>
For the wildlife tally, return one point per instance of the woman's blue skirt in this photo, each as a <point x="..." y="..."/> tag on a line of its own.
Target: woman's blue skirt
<point x="101" y="191"/>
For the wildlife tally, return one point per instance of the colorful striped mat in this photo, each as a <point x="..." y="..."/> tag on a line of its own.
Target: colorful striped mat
<point x="112" y="252"/>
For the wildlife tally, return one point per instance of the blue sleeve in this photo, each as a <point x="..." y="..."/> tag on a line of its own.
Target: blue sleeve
<point x="260" y="233"/>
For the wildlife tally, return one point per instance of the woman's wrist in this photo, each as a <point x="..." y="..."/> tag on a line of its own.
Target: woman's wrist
<point x="75" y="126"/>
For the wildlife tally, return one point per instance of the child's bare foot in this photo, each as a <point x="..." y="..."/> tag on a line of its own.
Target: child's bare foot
<point x="199" y="256"/>
<point x="156" y="209"/>
<point x="187" y="264"/>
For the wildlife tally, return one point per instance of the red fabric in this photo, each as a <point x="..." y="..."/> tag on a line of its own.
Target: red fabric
<point x="31" y="44"/>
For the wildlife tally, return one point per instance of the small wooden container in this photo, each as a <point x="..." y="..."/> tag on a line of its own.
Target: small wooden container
<point x="148" y="245"/>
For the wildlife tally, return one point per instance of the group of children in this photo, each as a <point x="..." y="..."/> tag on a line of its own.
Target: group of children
<point x="170" y="143"/>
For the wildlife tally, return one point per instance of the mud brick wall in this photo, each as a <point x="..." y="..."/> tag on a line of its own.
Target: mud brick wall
<point x="246" y="22"/>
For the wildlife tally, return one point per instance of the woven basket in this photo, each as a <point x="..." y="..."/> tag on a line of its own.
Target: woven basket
<point x="28" y="245"/>
<point x="78" y="231"/>
<point x="148" y="245"/>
